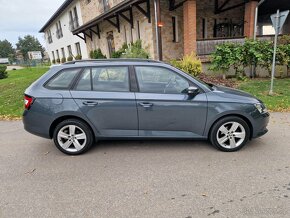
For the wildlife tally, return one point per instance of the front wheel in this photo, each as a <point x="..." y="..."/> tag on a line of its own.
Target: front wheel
<point x="230" y="134"/>
<point x="73" y="137"/>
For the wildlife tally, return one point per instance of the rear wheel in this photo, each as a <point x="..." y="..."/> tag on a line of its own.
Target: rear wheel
<point x="73" y="137"/>
<point x="230" y="134"/>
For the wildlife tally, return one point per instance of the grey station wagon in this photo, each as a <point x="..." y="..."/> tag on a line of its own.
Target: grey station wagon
<point x="78" y="103"/>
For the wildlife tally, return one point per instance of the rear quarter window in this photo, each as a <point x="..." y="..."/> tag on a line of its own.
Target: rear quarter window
<point x="63" y="79"/>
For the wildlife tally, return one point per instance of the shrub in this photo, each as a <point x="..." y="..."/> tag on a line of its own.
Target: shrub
<point x="53" y="61"/>
<point x="135" y="50"/>
<point x="97" y="54"/>
<point x="284" y="40"/>
<point x="3" y="73"/>
<point x="78" y="57"/>
<point x="226" y="56"/>
<point x="118" y="54"/>
<point x="63" y="60"/>
<point x="69" y="58"/>
<point x="58" y="60"/>
<point x="189" y="64"/>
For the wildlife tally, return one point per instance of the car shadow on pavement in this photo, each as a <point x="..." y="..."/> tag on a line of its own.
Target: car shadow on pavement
<point x="151" y="144"/>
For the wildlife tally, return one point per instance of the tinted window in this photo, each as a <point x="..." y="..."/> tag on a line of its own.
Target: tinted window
<point x="160" y="80"/>
<point x="110" y="79"/>
<point x="63" y="80"/>
<point x="84" y="83"/>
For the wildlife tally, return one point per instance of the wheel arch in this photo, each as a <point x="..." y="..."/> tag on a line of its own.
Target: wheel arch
<point x="66" y="117"/>
<point x="246" y="119"/>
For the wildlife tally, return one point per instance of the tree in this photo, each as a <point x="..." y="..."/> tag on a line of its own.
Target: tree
<point x="6" y="49"/>
<point x="28" y="43"/>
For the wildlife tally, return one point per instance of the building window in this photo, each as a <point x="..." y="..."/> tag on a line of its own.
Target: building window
<point x="62" y="52"/>
<point x="49" y="37"/>
<point x="204" y="28"/>
<point x="125" y="35"/>
<point x="111" y="43"/>
<point x="73" y="19"/>
<point x="57" y="54"/>
<point x="58" y="30"/>
<point x="69" y="51"/>
<point x="175" y="37"/>
<point x="78" y="48"/>
<point x="53" y="56"/>
<point x="138" y="29"/>
<point x="106" y="5"/>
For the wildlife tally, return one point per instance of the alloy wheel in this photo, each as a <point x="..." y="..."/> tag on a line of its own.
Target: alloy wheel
<point x="71" y="138"/>
<point x="231" y="135"/>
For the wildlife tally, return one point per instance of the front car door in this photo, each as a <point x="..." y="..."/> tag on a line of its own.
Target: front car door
<point x="164" y="107"/>
<point x="103" y="95"/>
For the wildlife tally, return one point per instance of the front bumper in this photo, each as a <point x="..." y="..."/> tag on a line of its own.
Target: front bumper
<point x="260" y="125"/>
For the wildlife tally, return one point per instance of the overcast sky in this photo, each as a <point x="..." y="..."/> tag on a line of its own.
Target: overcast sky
<point x="22" y="17"/>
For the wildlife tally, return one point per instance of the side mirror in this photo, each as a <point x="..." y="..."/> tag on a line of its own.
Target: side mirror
<point x="192" y="91"/>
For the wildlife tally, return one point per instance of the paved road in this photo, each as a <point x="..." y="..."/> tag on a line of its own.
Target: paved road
<point x="145" y="179"/>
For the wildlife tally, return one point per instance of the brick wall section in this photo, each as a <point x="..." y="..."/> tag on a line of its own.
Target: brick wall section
<point x="189" y="22"/>
<point x="250" y="18"/>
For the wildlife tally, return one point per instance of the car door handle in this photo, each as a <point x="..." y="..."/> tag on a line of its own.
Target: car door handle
<point x="146" y="104"/>
<point x="90" y="103"/>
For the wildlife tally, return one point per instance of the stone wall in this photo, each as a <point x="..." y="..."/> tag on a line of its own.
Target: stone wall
<point x="171" y="50"/>
<point x="95" y="8"/>
<point x="125" y="36"/>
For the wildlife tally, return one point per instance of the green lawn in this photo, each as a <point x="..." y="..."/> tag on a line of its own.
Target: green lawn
<point x="12" y="89"/>
<point x="280" y="101"/>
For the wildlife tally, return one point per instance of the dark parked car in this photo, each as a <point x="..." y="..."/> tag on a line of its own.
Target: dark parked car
<point x="78" y="103"/>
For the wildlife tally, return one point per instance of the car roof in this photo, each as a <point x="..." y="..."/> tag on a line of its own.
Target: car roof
<point x="112" y="60"/>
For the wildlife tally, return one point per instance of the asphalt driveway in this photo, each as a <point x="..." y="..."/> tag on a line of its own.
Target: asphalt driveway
<point x="145" y="179"/>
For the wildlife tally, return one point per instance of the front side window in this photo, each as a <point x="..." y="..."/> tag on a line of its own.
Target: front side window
<point x="160" y="80"/>
<point x="62" y="80"/>
<point x="104" y="79"/>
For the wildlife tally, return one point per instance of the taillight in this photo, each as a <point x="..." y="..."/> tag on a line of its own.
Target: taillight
<point x="27" y="101"/>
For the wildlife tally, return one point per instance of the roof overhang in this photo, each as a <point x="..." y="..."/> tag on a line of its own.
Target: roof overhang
<point x="114" y="12"/>
<point x="56" y="14"/>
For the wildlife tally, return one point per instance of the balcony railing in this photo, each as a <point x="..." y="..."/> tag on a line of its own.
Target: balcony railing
<point x="208" y="46"/>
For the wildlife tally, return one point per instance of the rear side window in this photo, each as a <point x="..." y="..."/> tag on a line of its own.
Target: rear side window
<point x="104" y="79"/>
<point x="62" y="80"/>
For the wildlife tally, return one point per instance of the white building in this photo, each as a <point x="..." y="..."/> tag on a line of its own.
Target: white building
<point x="60" y="42"/>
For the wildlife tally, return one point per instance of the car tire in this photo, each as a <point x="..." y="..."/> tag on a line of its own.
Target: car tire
<point x="230" y="134"/>
<point x="73" y="137"/>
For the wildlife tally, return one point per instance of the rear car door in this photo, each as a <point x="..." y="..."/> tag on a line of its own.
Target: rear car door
<point x="164" y="107"/>
<point x="103" y="95"/>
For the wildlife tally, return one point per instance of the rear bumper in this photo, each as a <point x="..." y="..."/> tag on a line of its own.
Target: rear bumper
<point x="260" y="125"/>
<point x="35" y="126"/>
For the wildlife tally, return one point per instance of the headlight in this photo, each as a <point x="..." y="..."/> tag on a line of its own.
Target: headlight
<point x="261" y="108"/>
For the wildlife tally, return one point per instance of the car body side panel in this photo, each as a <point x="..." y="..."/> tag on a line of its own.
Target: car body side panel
<point x="45" y="111"/>
<point x="225" y="105"/>
<point x="172" y="115"/>
<point x="114" y="115"/>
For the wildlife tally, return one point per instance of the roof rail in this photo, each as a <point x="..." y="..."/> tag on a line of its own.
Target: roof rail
<point x="112" y="60"/>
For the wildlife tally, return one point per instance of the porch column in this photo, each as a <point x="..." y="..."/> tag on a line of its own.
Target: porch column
<point x="189" y="24"/>
<point x="249" y="25"/>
